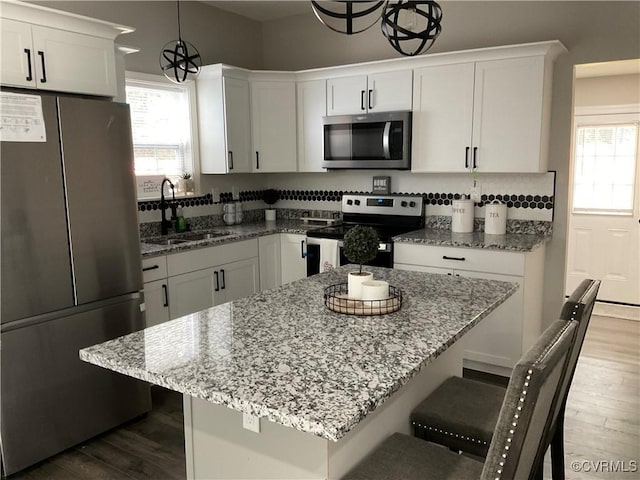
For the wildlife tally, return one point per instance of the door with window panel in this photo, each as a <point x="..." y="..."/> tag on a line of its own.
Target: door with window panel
<point x="604" y="239"/>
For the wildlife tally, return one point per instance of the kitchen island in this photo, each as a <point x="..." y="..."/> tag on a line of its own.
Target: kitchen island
<point x="326" y="387"/>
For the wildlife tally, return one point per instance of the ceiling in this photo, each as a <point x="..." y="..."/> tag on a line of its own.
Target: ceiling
<point x="263" y="10"/>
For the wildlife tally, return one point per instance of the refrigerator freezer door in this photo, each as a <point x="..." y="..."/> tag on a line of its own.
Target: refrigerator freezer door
<point x="51" y="400"/>
<point x="103" y="221"/>
<point x="36" y="266"/>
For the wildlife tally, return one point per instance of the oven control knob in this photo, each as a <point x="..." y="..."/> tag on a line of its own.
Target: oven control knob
<point x="357" y="202"/>
<point x="349" y="202"/>
<point x="412" y="204"/>
<point x="403" y="203"/>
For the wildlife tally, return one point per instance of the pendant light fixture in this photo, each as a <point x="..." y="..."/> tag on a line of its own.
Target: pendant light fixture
<point x="180" y="60"/>
<point x="412" y="26"/>
<point x="348" y="17"/>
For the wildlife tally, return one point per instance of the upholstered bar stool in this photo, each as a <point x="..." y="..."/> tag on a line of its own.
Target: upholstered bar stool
<point x="526" y="409"/>
<point x="461" y="413"/>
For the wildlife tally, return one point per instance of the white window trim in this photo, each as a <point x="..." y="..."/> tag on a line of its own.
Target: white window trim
<point x="603" y="115"/>
<point x="190" y="87"/>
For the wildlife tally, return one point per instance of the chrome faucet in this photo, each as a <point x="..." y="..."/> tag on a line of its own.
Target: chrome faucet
<point x="165" y="224"/>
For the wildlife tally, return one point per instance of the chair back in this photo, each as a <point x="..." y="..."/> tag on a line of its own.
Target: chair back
<point x="528" y="404"/>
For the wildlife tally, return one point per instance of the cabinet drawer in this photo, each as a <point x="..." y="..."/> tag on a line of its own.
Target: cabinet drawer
<point x="193" y="260"/>
<point x="154" y="268"/>
<point x="478" y="260"/>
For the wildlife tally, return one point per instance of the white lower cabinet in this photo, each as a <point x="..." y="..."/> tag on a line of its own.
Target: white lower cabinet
<point x="293" y="251"/>
<point x="156" y="300"/>
<point x="187" y="282"/>
<point x="498" y="342"/>
<point x="270" y="262"/>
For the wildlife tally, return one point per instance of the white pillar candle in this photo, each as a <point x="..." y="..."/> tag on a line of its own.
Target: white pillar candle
<point x="375" y="290"/>
<point x="355" y="284"/>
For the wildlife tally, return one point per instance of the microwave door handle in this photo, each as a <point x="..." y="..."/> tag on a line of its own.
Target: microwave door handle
<point x="386" y="139"/>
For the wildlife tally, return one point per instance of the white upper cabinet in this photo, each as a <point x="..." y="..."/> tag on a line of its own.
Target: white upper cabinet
<point x="273" y="126"/>
<point x="52" y="50"/>
<point x="491" y="116"/>
<point x="17" y="54"/>
<point x="379" y="92"/>
<point x="311" y="108"/>
<point x="224" y="120"/>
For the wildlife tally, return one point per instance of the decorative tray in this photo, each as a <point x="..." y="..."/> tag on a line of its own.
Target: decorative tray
<point x="336" y="299"/>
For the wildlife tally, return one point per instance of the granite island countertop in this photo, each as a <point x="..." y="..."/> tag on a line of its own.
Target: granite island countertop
<point x="232" y="233"/>
<point x="282" y="355"/>
<point x="514" y="242"/>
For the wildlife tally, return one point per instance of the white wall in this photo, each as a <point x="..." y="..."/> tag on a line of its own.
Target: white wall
<point x="611" y="90"/>
<point x="592" y="32"/>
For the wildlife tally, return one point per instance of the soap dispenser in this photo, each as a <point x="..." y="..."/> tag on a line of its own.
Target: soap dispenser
<point x="181" y="225"/>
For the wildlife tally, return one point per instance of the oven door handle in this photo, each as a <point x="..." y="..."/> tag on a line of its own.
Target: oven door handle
<point x="386" y="139"/>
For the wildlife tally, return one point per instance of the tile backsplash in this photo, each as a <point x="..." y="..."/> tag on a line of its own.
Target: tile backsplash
<point x="529" y="197"/>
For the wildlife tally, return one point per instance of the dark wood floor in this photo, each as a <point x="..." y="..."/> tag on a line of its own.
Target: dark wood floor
<point x="602" y="421"/>
<point x="151" y="447"/>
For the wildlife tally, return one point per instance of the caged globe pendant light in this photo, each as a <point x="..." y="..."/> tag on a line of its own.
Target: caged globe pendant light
<point x="348" y="17"/>
<point x="410" y="26"/>
<point x="179" y="58"/>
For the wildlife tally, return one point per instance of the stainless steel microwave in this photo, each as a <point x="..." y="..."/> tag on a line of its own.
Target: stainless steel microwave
<point x="374" y="141"/>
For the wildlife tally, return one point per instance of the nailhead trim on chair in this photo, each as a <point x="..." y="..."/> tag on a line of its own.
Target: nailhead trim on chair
<point x="474" y="440"/>
<point x="516" y="415"/>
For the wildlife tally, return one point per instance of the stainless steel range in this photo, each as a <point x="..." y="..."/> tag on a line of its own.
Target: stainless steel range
<point x="389" y="215"/>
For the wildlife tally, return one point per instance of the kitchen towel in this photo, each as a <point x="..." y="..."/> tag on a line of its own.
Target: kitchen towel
<point x="329" y="254"/>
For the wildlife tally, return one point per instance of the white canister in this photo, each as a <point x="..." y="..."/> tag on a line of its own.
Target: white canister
<point x="495" y="218"/>
<point x="462" y="215"/>
<point x="375" y="290"/>
<point x="355" y="281"/>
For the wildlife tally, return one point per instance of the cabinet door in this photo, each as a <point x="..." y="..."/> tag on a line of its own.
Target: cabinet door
<point x="17" y="54"/>
<point x="270" y="264"/>
<point x="72" y="62"/>
<point x="194" y="291"/>
<point x="238" y="279"/>
<point x="311" y="108"/>
<point x="238" y="124"/>
<point x="273" y="126"/>
<point x="497" y="339"/>
<point x="347" y="95"/>
<point x="442" y="116"/>
<point x="390" y="91"/>
<point x="293" y="253"/>
<point x="156" y="301"/>
<point x="508" y="115"/>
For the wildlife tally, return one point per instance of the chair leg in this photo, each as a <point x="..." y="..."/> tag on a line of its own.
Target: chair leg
<point x="557" y="449"/>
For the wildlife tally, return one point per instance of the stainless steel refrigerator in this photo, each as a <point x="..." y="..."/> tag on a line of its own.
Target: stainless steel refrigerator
<point x="70" y="277"/>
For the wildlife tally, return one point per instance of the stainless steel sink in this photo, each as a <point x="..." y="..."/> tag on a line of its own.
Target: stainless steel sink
<point x="167" y="241"/>
<point x="205" y="236"/>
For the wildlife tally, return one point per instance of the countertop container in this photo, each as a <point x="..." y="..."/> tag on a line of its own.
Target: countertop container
<point x="462" y="215"/>
<point x="495" y="220"/>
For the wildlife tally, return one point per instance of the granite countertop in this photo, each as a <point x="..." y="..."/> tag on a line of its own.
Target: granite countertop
<point x="515" y="242"/>
<point x="234" y="233"/>
<point x="282" y="355"/>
